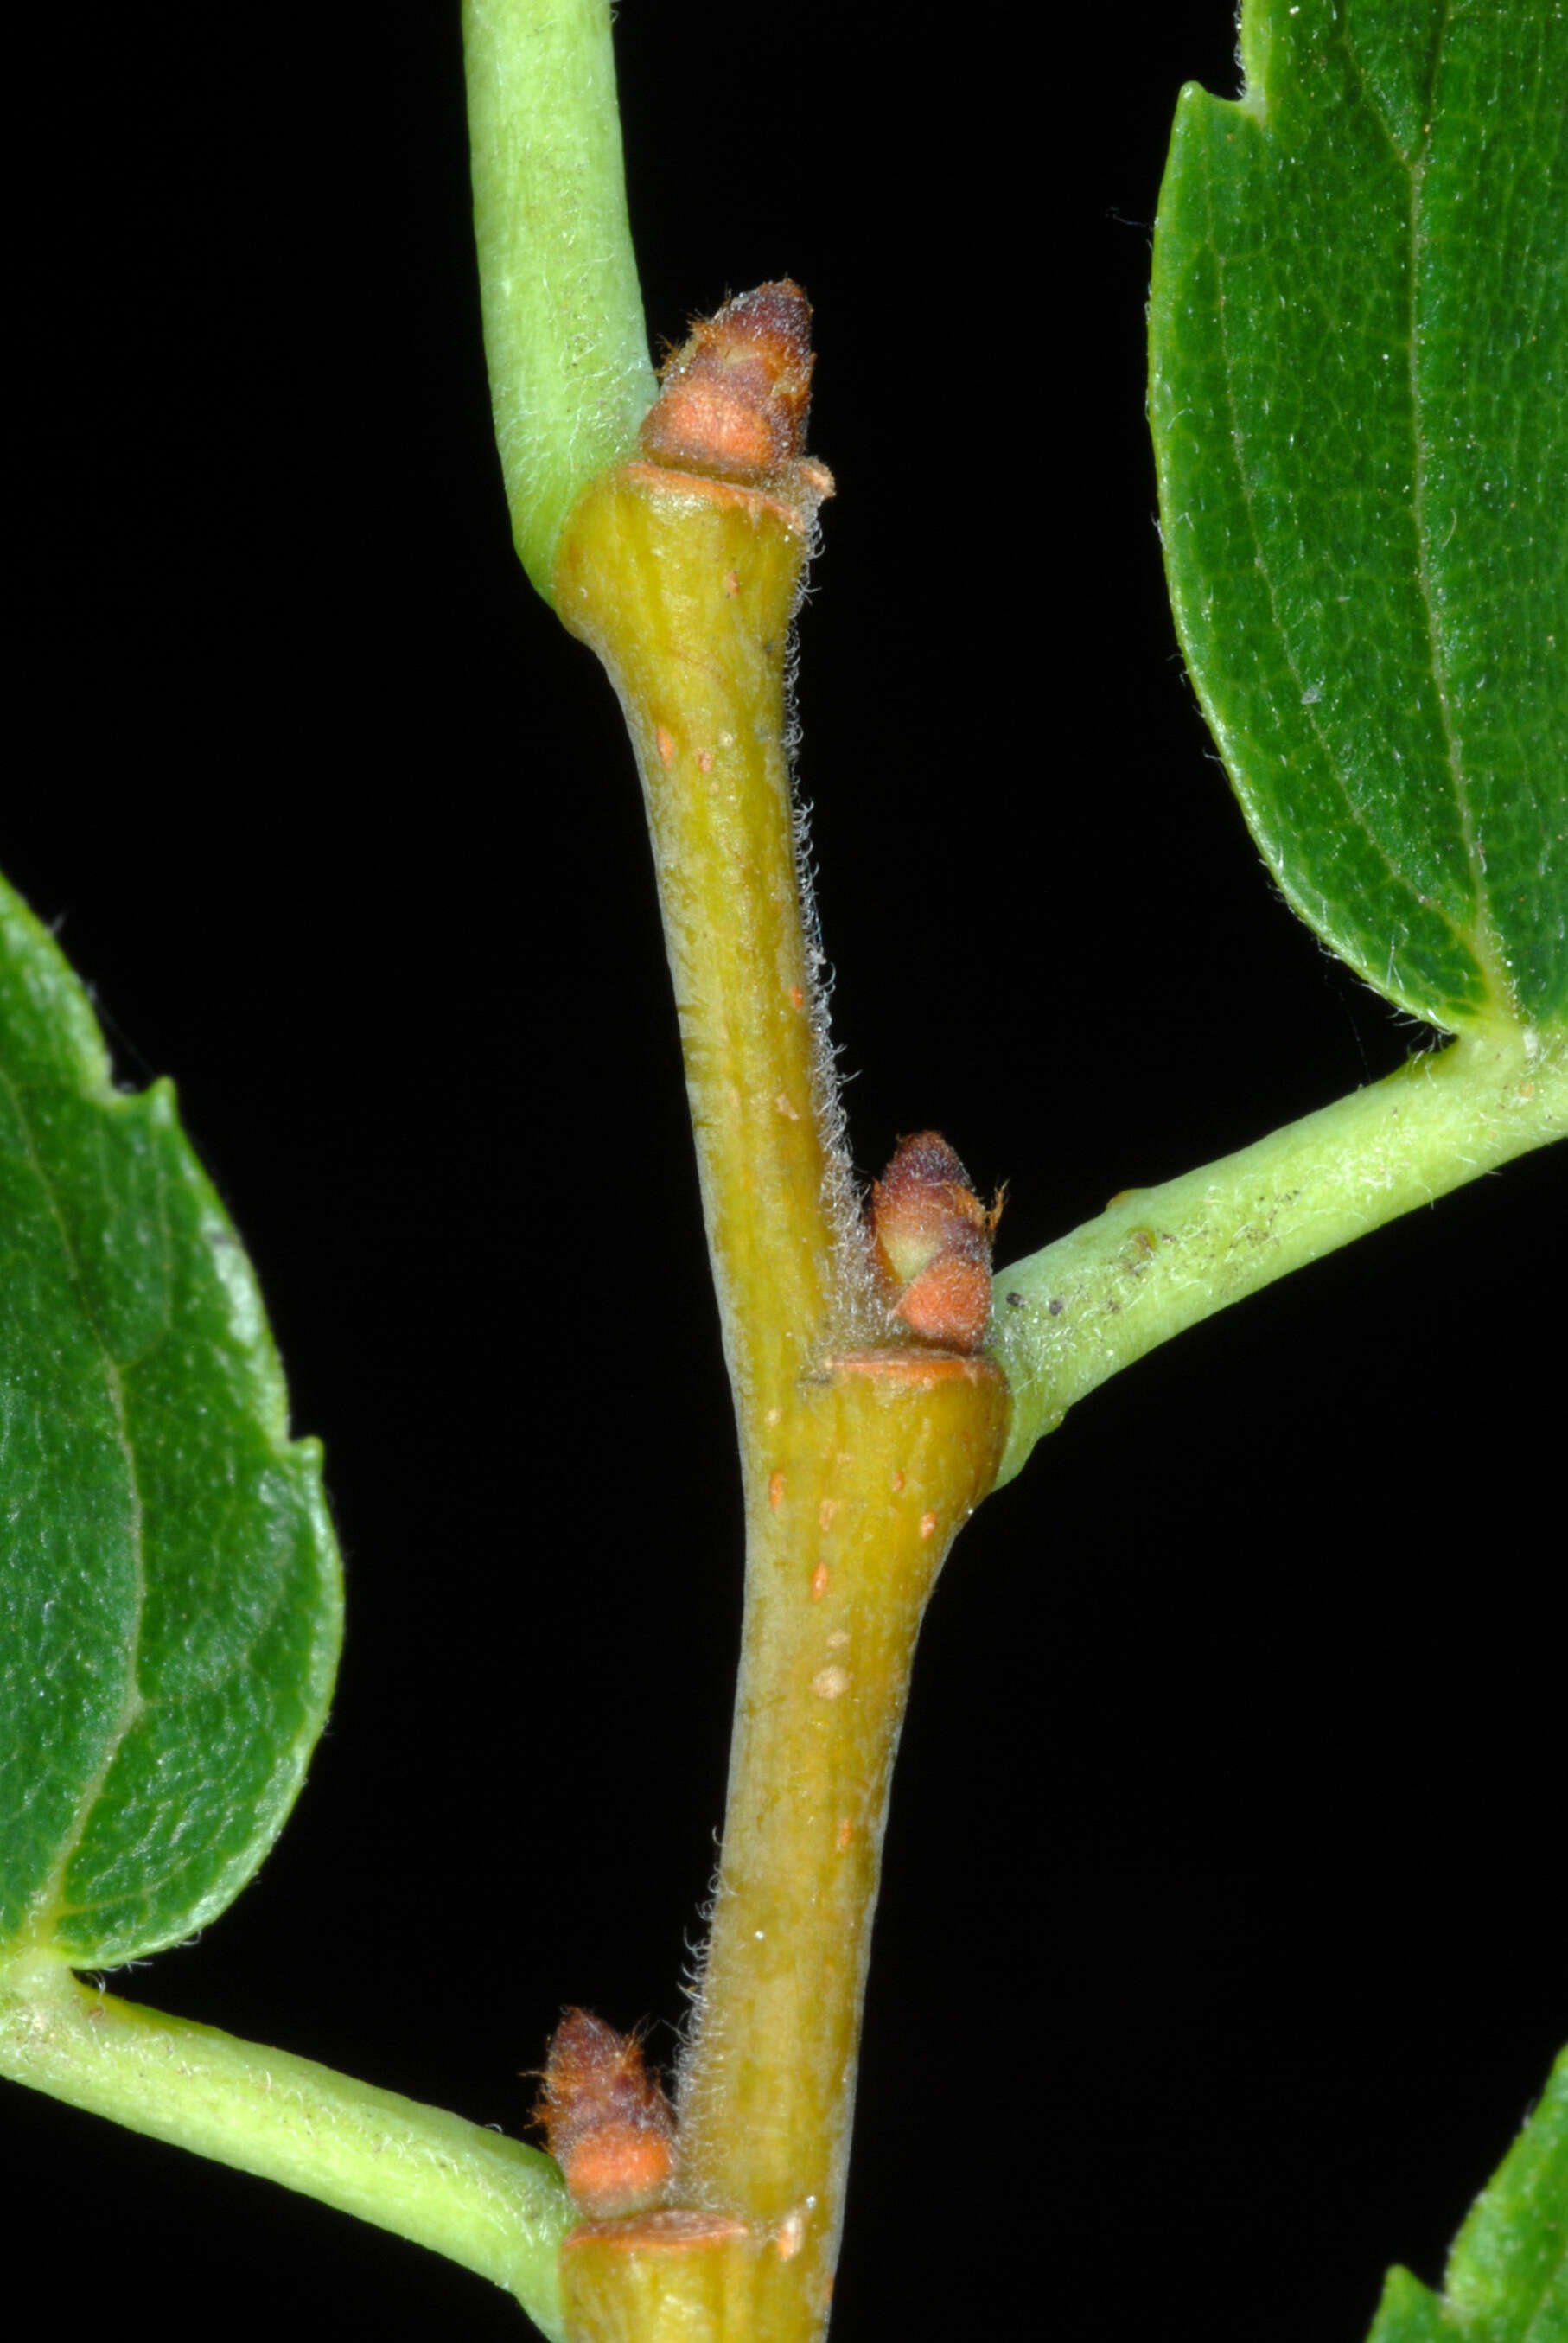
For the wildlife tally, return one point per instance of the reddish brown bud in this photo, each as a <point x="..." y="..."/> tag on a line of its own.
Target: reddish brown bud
<point x="736" y="396"/>
<point x="931" y="1243"/>
<point x="606" y="2119"/>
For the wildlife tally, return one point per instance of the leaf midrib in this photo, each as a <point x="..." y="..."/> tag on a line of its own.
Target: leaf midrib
<point x="1481" y="938"/>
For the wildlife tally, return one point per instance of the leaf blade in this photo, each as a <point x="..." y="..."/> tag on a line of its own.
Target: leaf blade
<point x="1409" y="2313"/>
<point x="171" y="1595"/>
<point x="1342" y="383"/>
<point x="1508" y="2274"/>
<point x="1507" y="2277"/>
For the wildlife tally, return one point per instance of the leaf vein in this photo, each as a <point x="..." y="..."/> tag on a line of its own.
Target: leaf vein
<point x="1314" y="724"/>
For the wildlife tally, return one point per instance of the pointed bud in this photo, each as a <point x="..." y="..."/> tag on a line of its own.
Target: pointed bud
<point x="931" y="1243"/>
<point x="736" y="396"/>
<point x="606" y="2119"/>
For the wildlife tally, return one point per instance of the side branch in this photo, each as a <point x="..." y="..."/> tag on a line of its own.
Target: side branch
<point x="1157" y="1260"/>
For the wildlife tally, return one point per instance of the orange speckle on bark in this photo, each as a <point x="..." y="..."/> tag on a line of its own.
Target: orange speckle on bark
<point x="705" y="761"/>
<point x="846" y="1833"/>
<point x="819" y="1582"/>
<point x="789" y="1113"/>
<point x="927" y="1525"/>
<point x="775" y="1490"/>
<point x="790" y="2235"/>
<point x="797" y="998"/>
<point x="666" y="744"/>
<point x="731" y="583"/>
<point x="898" y="1482"/>
<point x="825" y="1511"/>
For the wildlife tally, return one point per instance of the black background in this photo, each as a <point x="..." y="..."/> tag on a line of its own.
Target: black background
<point x="1222" y="1950"/>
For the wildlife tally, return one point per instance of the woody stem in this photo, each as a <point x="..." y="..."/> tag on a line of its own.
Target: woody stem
<point x="859" y="1463"/>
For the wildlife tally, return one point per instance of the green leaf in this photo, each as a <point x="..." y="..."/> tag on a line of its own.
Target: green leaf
<point x="1359" y="397"/>
<point x="170" y="1594"/>
<point x="1507" y="2278"/>
<point x="1410" y="2313"/>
